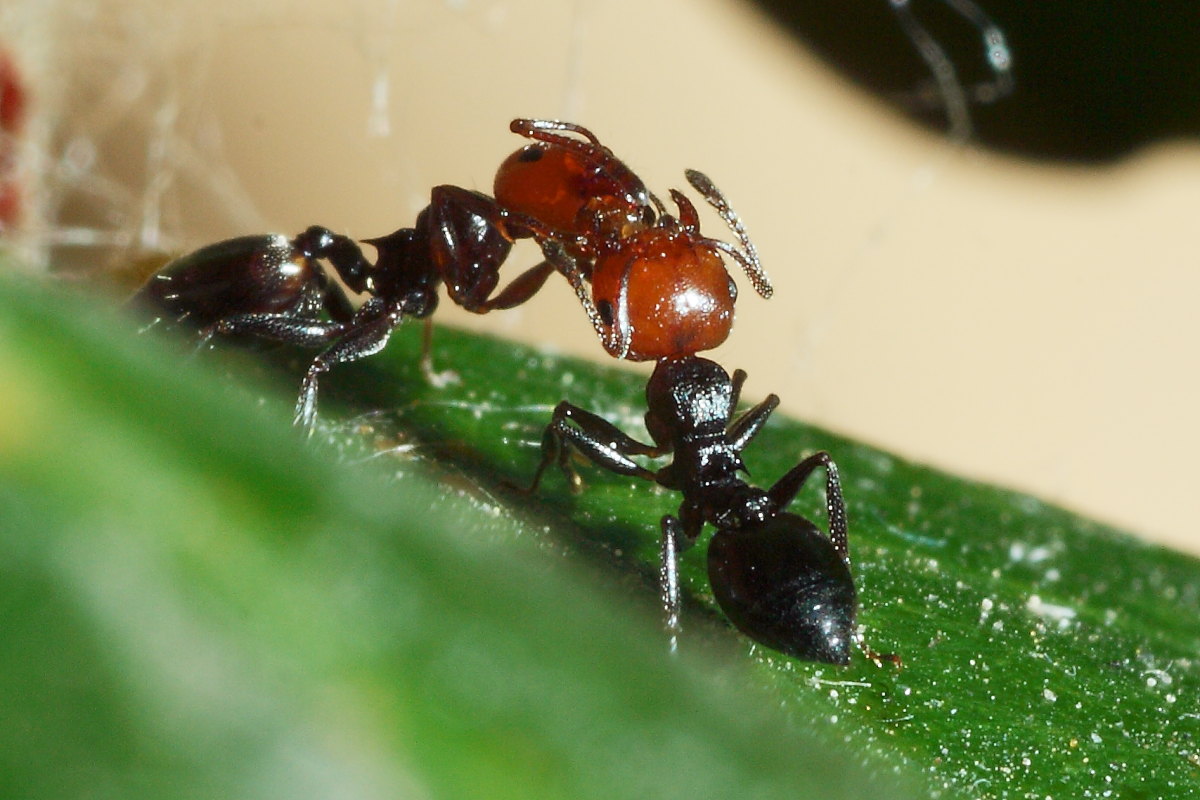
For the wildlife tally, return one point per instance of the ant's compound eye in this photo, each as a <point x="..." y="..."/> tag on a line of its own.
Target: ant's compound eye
<point x="530" y="153"/>
<point x="605" y="310"/>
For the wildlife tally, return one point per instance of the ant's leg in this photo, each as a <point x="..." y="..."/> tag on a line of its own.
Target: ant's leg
<point x="600" y="441"/>
<point x="996" y="53"/>
<point x="468" y="238"/>
<point x="785" y="490"/>
<point x="668" y="578"/>
<point x="367" y="335"/>
<point x="523" y="287"/>
<point x="739" y="377"/>
<point x="336" y="303"/>
<point x="538" y="129"/>
<point x="278" y="328"/>
<point x="678" y="533"/>
<point x="747" y="426"/>
<point x="543" y="130"/>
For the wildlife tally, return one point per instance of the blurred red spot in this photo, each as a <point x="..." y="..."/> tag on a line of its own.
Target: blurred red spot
<point x="13" y="101"/>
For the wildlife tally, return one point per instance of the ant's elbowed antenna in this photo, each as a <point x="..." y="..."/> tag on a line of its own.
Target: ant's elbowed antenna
<point x="748" y="255"/>
<point x="954" y="96"/>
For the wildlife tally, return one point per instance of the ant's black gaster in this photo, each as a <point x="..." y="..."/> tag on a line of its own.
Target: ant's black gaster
<point x="774" y="574"/>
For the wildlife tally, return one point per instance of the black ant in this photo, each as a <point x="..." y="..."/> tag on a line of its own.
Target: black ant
<point x="659" y="287"/>
<point x="774" y="574"/>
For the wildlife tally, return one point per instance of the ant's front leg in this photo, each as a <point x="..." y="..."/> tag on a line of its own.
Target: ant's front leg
<point x="596" y="438"/>
<point x="786" y="488"/>
<point x="738" y="379"/>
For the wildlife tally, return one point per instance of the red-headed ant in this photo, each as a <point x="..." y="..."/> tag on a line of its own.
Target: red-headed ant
<point x="774" y="574"/>
<point x="658" y="288"/>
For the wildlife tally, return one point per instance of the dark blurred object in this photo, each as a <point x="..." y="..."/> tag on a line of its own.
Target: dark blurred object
<point x="1093" y="80"/>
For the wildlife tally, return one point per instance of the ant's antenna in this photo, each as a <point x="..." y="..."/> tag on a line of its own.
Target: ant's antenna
<point x="748" y="255"/>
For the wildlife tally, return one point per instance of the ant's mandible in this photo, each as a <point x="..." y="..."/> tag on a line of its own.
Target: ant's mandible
<point x="774" y="574"/>
<point x="659" y="288"/>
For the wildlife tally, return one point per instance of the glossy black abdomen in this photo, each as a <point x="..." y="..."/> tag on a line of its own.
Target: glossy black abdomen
<point x="783" y="584"/>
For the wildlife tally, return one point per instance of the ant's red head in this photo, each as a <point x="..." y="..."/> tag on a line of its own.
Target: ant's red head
<point x="659" y="289"/>
<point x="665" y="293"/>
<point x="573" y="186"/>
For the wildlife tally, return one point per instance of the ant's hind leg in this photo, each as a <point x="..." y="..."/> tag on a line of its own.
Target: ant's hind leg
<point x="668" y="577"/>
<point x="553" y="450"/>
<point x="678" y="533"/>
<point x="786" y="488"/>
<point x="374" y="325"/>
<point x="283" y="328"/>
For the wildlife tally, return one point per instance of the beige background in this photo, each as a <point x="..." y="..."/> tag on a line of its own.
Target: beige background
<point x="1026" y="324"/>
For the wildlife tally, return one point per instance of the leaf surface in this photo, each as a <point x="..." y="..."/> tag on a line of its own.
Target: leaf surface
<point x="199" y="603"/>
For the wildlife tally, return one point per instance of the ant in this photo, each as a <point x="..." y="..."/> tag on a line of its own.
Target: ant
<point x="659" y="288"/>
<point x="774" y="574"/>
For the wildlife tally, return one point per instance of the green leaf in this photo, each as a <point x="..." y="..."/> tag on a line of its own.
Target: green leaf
<point x="198" y="603"/>
<point x="1045" y="655"/>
